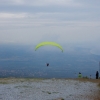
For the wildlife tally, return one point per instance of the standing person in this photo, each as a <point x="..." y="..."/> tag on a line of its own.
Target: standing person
<point x="79" y="75"/>
<point x="97" y="74"/>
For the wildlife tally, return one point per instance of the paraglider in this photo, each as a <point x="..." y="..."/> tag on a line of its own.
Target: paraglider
<point x="48" y="43"/>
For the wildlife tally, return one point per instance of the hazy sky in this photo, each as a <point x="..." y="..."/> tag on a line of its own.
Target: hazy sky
<point x="62" y="21"/>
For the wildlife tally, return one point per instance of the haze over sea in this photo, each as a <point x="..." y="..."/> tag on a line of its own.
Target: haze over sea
<point x="24" y="61"/>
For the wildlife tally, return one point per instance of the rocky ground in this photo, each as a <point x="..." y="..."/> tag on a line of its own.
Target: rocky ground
<point x="49" y="89"/>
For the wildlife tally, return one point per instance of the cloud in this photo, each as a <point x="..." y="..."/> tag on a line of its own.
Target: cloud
<point x="30" y="32"/>
<point x="41" y="2"/>
<point x="66" y="3"/>
<point x="12" y="15"/>
<point x="63" y="21"/>
<point x="11" y="2"/>
<point x="55" y="2"/>
<point x="50" y="18"/>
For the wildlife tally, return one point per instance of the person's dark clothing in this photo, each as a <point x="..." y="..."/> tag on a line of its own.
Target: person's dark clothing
<point x="97" y="75"/>
<point x="47" y="64"/>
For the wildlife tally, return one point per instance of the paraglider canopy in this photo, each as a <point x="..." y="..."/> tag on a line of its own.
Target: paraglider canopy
<point x="48" y="43"/>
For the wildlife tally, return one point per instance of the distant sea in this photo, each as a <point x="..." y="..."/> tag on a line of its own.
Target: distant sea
<point x="23" y="61"/>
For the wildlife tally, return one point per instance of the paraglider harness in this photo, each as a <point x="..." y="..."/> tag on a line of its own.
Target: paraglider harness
<point x="47" y="64"/>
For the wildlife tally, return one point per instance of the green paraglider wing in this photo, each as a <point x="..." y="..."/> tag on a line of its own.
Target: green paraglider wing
<point x="48" y="43"/>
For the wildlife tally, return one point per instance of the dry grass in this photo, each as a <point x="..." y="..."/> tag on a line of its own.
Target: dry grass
<point x="88" y="80"/>
<point x="15" y="80"/>
<point x="99" y="84"/>
<point x="97" y="93"/>
<point x="97" y="96"/>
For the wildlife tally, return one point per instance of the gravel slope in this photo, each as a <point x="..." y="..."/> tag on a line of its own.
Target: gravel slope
<point x="48" y="89"/>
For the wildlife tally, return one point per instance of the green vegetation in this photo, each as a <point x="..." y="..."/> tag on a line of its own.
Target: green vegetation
<point x="3" y="82"/>
<point x="85" y="77"/>
<point x="24" y="86"/>
<point x="21" y="92"/>
<point x="47" y="92"/>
